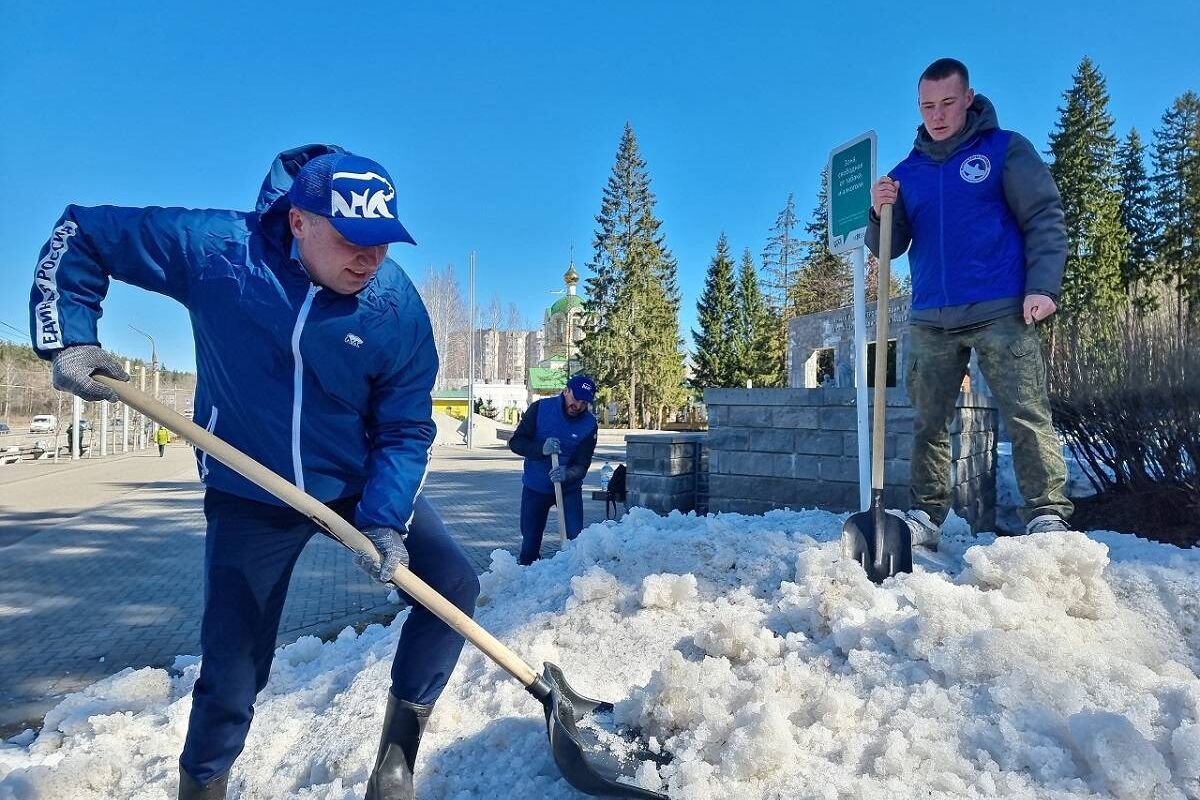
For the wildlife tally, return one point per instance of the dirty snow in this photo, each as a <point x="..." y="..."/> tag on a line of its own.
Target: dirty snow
<point x="1051" y="666"/>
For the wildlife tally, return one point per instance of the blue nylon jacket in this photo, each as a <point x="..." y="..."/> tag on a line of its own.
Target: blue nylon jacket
<point x="329" y="391"/>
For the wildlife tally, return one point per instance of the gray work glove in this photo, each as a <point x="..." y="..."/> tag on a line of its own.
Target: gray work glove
<point x="558" y="474"/>
<point x="551" y="446"/>
<point x="73" y="369"/>
<point x="392" y="552"/>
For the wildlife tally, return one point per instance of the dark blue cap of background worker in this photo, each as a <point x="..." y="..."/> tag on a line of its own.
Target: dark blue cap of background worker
<point x="355" y="194"/>
<point x="582" y="387"/>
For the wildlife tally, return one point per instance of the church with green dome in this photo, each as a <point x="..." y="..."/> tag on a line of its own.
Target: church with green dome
<point x="562" y="331"/>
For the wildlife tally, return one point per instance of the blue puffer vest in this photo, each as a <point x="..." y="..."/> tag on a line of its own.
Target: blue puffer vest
<point x="966" y="244"/>
<point x="552" y="421"/>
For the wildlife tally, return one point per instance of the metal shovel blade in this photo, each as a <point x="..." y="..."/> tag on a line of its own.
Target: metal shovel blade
<point x="881" y="556"/>
<point x="593" y="755"/>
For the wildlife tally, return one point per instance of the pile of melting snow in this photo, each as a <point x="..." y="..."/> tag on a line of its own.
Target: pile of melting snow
<point x="1045" y="666"/>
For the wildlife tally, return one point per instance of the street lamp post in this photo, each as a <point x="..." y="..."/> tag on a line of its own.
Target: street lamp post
<point x="141" y="418"/>
<point x="154" y="377"/>
<point x="125" y="419"/>
<point x="471" y="355"/>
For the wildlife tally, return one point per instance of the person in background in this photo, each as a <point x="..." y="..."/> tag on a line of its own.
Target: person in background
<point x="162" y="437"/>
<point x="562" y="425"/>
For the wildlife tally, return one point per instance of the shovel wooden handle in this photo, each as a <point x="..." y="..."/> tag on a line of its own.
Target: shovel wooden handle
<point x="881" y="343"/>
<point x="337" y="527"/>
<point x="882" y="284"/>
<point x="558" y="505"/>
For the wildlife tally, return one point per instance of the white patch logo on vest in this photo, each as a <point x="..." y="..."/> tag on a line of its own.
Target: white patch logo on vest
<point x="975" y="169"/>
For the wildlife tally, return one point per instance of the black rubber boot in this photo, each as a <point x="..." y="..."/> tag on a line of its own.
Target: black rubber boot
<point x="190" y="790"/>
<point x="403" y="724"/>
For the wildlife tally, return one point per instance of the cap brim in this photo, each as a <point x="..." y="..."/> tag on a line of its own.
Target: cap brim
<point x="371" y="232"/>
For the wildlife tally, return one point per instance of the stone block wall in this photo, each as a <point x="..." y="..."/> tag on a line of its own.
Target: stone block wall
<point x="798" y="448"/>
<point x="667" y="471"/>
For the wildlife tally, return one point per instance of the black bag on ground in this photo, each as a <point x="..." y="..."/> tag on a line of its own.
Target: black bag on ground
<point x="616" y="484"/>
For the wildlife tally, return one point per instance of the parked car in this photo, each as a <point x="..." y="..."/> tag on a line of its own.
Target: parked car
<point x="43" y="423"/>
<point x="4" y="428"/>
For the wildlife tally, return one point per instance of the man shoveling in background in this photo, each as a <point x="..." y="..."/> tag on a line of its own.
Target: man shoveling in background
<point x="315" y="356"/>
<point x="563" y="426"/>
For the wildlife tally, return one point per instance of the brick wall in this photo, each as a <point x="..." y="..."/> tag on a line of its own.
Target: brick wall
<point x="667" y="471"/>
<point x="771" y="448"/>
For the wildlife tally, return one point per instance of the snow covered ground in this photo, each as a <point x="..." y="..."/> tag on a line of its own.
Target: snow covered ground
<point x="1050" y="666"/>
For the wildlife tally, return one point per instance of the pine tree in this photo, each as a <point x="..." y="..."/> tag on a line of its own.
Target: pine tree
<point x="1084" y="149"/>
<point x="716" y="341"/>
<point x="1177" y="200"/>
<point x="758" y="346"/>
<point x="781" y="259"/>
<point x="1138" y="270"/>
<point x="632" y="344"/>
<point x="895" y="287"/>
<point x="825" y="279"/>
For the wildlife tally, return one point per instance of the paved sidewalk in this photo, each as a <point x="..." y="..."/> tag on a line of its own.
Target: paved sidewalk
<point x="101" y="560"/>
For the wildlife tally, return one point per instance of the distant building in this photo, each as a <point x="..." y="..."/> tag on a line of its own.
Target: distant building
<point x="509" y="399"/>
<point x="501" y="356"/>
<point x="821" y="349"/>
<point x="563" y="326"/>
<point x="535" y="348"/>
<point x="487" y="354"/>
<point x="512" y="356"/>
<point x="546" y="381"/>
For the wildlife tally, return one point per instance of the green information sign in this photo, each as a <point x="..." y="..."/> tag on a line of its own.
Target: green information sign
<point x="851" y="173"/>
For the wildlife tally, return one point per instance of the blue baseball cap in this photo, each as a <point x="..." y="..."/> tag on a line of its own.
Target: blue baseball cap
<point x="355" y="194"/>
<point x="583" y="387"/>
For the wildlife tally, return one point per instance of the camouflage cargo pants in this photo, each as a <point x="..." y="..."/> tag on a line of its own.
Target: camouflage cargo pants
<point x="1010" y="356"/>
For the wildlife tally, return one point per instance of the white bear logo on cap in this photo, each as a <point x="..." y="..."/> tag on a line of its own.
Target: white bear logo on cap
<point x="370" y="203"/>
<point x="355" y="194"/>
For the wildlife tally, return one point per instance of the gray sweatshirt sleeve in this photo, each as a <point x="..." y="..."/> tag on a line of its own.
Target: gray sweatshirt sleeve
<point x="901" y="235"/>
<point x="1034" y="200"/>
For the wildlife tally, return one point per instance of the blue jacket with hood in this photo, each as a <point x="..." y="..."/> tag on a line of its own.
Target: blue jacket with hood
<point x="330" y="391"/>
<point x="985" y="221"/>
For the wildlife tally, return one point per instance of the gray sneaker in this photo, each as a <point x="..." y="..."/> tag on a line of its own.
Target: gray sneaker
<point x="1046" y="523"/>
<point x="924" y="532"/>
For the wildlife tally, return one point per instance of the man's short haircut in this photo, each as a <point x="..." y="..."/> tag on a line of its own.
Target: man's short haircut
<point x="943" y="68"/>
<point x="310" y="217"/>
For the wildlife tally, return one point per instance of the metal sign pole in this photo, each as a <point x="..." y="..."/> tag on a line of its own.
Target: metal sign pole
<point x="851" y="171"/>
<point x="860" y="377"/>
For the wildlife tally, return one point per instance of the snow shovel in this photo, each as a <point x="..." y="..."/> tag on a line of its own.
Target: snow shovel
<point x="879" y="540"/>
<point x="579" y="728"/>
<point x="558" y="506"/>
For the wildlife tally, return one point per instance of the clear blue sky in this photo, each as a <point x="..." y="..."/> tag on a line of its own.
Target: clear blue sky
<point x="500" y="121"/>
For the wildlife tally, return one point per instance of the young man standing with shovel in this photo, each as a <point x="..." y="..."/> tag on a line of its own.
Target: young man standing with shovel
<point x="315" y="356"/>
<point x="557" y="437"/>
<point x="988" y="246"/>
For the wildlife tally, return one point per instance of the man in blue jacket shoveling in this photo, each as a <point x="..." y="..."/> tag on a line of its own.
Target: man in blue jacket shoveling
<point x="315" y="356"/>
<point x="562" y="426"/>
